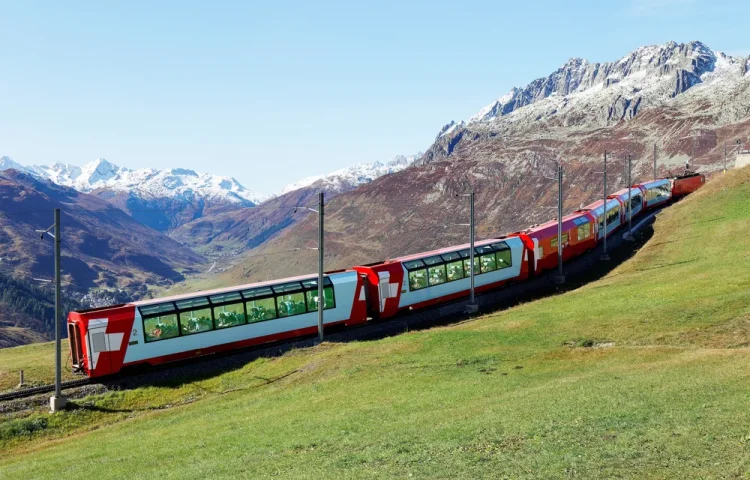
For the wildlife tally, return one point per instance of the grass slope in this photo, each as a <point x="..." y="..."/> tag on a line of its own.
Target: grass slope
<point x="643" y="374"/>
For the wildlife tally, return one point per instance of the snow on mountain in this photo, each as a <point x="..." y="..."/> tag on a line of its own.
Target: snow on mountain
<point x="614" y="91"/>
<point x="355" y="175"/>
<point x="7" y="163"/>
<point x="147" y="183"/>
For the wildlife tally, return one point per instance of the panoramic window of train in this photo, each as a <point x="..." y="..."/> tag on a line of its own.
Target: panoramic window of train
<point x="488" y="263"/>
<point x="290" y="299"/>
<point x="311" y="292"/>
<point x="195" y="316"/>
<point x="228" y="309"/>
<point x="613" y="215"/>
<point x="260" y="304"/>
<point x="159" y="322"/>
<point x="453" y="266"/>
<point x="503" y="255"/>
<point x="417" y="274"/>
<point x="584" y="231"/>
<point x="553" y="242"/>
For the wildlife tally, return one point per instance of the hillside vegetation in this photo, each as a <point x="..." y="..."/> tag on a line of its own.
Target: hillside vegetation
<point x="642" y="374"/>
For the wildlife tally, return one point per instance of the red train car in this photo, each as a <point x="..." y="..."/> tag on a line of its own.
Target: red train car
<point x="425" y="279"/>
<point x="687" y="184"/>
<point x="578" y="236"/>
<point x="106" y="340"/>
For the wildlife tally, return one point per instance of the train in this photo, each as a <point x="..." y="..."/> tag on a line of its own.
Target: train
<point x="105" y="341"/>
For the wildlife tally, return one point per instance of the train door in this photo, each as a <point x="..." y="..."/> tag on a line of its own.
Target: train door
<point x="97" y="340"/>
<point x="76" y="349"/>
<point x="386" y="290"/>
<point x="538" y="253"/>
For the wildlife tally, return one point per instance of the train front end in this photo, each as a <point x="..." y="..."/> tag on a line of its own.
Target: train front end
<point x="99" y="338"/>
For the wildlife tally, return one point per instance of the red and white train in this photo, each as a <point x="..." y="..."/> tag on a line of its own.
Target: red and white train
<point x="104" y="341"/>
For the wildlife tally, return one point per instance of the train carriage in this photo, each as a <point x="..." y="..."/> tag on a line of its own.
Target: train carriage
<point x="106" y="340"/>
<point x="636" y="201"/>
<point x="613" y="216"/>
<point x="656" y="193"/>
<point x="578" y="236"/>
<point x="418" y="281"/>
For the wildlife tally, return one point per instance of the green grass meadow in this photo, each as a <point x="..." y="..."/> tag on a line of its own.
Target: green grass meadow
<point x="642" y="374"/>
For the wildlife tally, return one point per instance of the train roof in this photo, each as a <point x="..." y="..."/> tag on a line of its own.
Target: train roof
<point x="569" y="221"/>
<point x="441" y="251"/>
<point x="654" y="183"/>
<point x="234" y="288"/>
<point x="624" y="192"/>
<point x="597" y="205"/>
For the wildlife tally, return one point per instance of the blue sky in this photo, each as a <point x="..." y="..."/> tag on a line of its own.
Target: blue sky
<point x="269" y="92"/>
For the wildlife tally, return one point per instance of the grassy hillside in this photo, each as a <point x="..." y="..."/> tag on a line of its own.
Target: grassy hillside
<point x="643" y="374"/>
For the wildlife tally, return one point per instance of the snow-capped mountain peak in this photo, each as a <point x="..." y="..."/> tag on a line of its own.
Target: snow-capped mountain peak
<point x="646" y="76"/>
<point x="147" y="183"/>
<point x="355" y="175"/>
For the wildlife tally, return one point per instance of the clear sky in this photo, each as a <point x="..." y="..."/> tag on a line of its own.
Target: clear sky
<point x="272" y="91"/>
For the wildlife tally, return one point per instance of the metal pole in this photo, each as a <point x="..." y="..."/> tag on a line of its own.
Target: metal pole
<point x="630" y="203"/>
<point x="471" y="247"/>
<point x="57" y="402"/>
<point x="560" y="279"/>
<point x="321" y="298"/>
<point x="604" y="213"/>
<point x="725" y="157"/>
<point x="654" y="161"/>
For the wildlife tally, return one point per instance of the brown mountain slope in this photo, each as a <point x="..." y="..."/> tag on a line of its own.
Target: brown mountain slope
<point x="415" y="210"/>
<point x="101" y="245"/>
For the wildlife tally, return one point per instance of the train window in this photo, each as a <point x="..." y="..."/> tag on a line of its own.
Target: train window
<point x="467" y="266"/>
<point x="414" y="264"/>
<point x="436" y="275"/>
<point x="195" y="321"/>
<point x="417" y="279"/>
<point x="436" y="260"/>
<point x="291" y="304"/>
<point x="257" y="293"/>
<point x="449" y="257"/>
<point x="464" y="253"/>
<point x="225" y="298"/>
<point x="484" y="249"/>
<point x="455" y="270"/>
<point x="229" y="315"/>
<point x="488" y="263"/>
<point x="553" y="242"/>
<point x="157" y="309"/>
<point x="261" y="309"/>
<point x="584" y="231"/>
<point x="160" y="327"/>
<point x="636" y="201"/>
<point x="312" y="299"/>
<point x="504" y="258"/>
<point x="613" y="215"/>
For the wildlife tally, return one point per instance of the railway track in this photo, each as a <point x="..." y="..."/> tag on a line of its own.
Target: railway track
<point x="31" y="391"/>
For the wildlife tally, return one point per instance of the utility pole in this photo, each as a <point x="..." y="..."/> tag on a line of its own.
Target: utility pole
<point x="57" y="402"/>
<point x="472" y="307"/>
<point x="629" y="236"/>
<point x="654" y="161"/>
<point x="560" y="278"/>
<point x="725" y="157"/>
<point x="321" y="297"/>
<point x="604" y="255"/>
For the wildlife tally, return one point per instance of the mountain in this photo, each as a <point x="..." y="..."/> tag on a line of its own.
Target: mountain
<point x="101" y="246"/>
<point x="161" y="199"/>
<point x="351" y="177"/>
<point x="684" y="99"/>
<point x="228" y="234"/>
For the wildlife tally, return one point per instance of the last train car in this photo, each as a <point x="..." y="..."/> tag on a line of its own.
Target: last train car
<point x="103" y="341"/>
<point x="687" y="184"/>
<point x="429" y="278"/>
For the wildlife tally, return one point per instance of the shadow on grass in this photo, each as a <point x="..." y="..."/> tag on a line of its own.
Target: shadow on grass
<point x="580" y="271"/>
